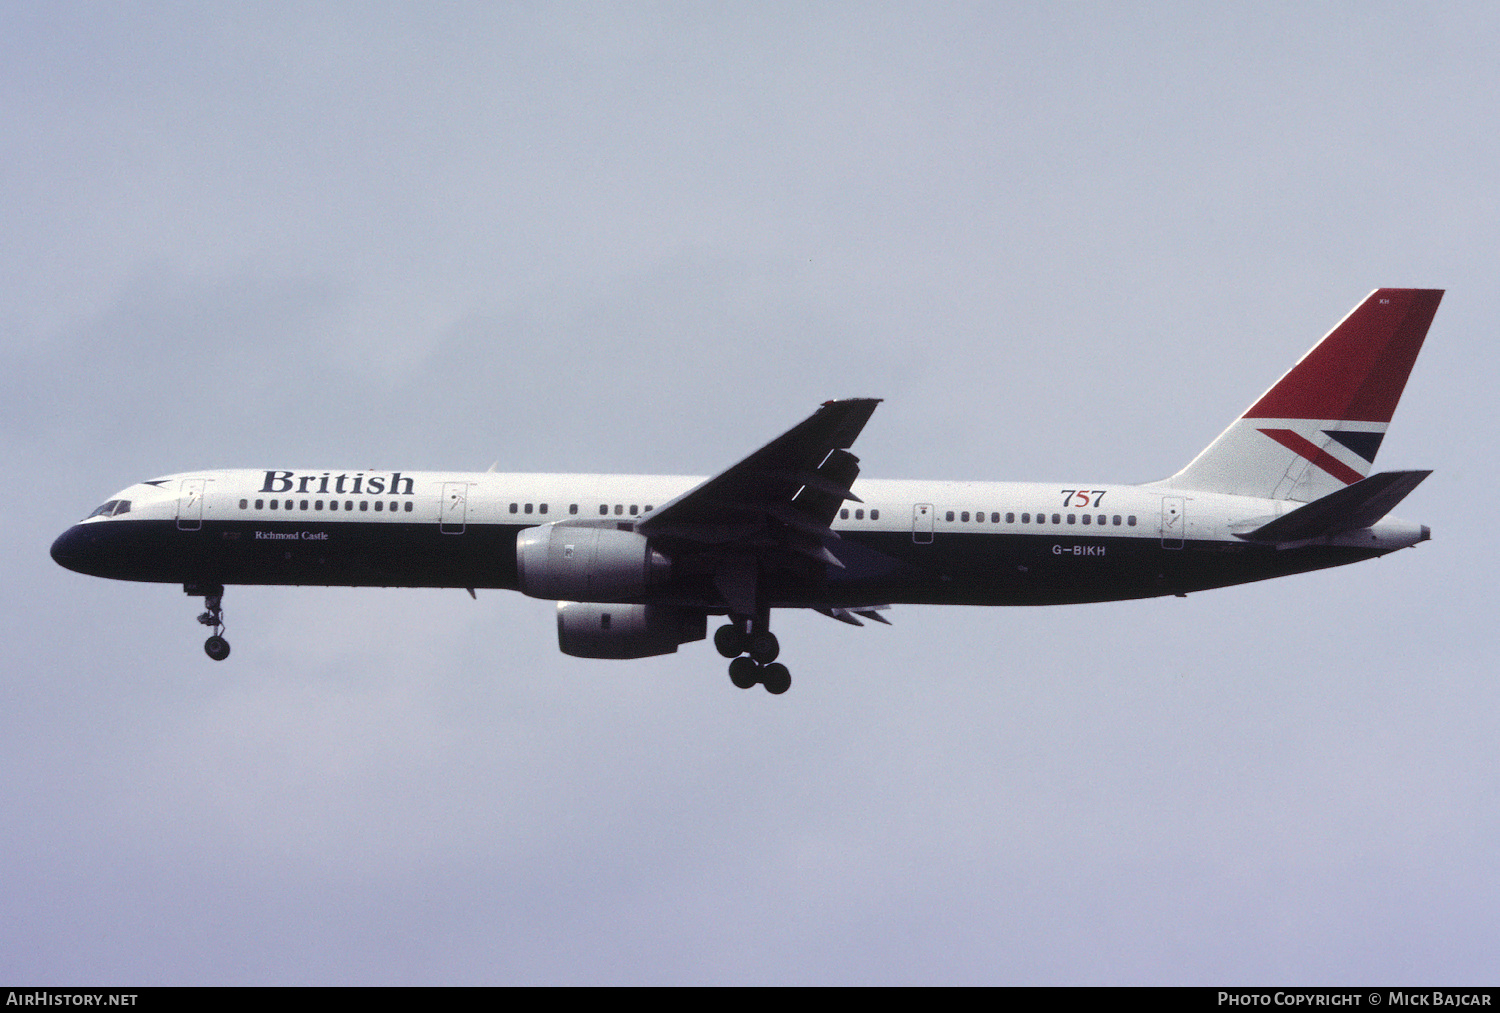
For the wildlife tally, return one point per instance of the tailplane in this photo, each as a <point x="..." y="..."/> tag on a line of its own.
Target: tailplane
<point x="1318" y="428"/>
<point x="1356" y="506"/>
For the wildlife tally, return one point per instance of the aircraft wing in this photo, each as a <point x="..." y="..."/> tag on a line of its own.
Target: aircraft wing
<point x="782" y="497"/>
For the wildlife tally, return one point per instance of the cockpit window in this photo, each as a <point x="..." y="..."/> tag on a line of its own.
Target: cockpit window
<point x="113" y="508"/>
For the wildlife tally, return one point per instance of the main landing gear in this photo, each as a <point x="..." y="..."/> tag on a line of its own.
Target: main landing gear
<point x="754" y="651"/>
<point x="216" y="647"/>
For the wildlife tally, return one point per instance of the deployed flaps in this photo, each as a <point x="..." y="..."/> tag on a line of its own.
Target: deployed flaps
<point x="825" y="490"/>
<point x="849" y="615"/>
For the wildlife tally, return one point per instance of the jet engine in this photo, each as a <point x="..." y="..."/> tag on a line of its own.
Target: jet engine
<point x="617" y="632"/>
<point x="577" y="563"/>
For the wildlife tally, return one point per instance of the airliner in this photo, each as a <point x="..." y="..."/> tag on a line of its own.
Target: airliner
<point x="637" y="563"/>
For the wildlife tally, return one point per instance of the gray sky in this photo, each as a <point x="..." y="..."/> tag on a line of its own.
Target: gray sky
<point x="1061" y="241"/>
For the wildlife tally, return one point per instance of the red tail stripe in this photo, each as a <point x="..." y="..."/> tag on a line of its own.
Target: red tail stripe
<point x="1303" y="447"/>
<point x="1357" y="372"/>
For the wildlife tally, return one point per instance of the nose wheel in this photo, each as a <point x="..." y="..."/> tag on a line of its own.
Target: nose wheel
<point x="216" y="647"/>
<point x="754" y="655"/>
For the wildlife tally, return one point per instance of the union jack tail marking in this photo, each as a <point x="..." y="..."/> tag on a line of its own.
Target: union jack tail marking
<point x="1319" y="427"/>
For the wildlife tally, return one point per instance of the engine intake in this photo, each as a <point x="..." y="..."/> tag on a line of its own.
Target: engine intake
<point x="562" y="561"/>
<point x="618" y="632"/>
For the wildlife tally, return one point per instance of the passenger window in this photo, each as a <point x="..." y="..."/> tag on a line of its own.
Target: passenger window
<point x="260" y="504"/>
<point x="364" y="505"/>
<point x="874" y="515"/>
<point x="649" y="508"/>
<point x="603" y="509"/>
<point x="1056" y="519"/>
<point x="964" y="516"/>
<point x="304" y="504"/>
<point x="1086" y="519"/>
<point x="275" y="503"/>
<point x="1010" y="518"/>
<point x="379" y="505"/>
<point x="619" y="509"/>
<point x="949" y="515"/>
<point x="1102" y="519"/>
<point x="528" y="508"/>
<point x="859" y="515"/>
<point x="633" y="509"/>
<point x="333" y="504"/>
<point x="514" y="507"/>
<point x="317" y="504"/>
<point x="408" y="506"/>
<point x="1025" y="518"/>
<point x="244" y="503"/>
<point x="844" y="514"/>
<point x="348" y="504"/>
<point x="542" y="508"/>
<point x="1117" y="520"/>
<point x="1072" y="518"/>
<point x="572" y="508"/>
<point x="1130" y="520"/>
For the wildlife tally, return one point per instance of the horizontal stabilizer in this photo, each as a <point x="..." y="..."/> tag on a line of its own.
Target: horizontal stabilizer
<point x="1348" y="509"/>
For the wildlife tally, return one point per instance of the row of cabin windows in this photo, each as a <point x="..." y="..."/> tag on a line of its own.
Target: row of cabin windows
<point x="859" y="515"/>
<point x="1010" y="518"/>
<point x="317" y="504"/>
<point x="333" y="504"/>
<point x="541" y="508"/>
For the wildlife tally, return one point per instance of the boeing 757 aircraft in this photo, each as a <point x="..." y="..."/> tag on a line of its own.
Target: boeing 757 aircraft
<point x="637" y="563"/>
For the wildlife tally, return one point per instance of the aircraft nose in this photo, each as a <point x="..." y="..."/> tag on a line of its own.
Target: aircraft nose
<point x="72" y="548"/>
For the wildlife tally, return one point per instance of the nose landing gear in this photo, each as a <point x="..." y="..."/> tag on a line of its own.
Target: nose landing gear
<point x="733" y="640"/>
<point x="216" y="647"/>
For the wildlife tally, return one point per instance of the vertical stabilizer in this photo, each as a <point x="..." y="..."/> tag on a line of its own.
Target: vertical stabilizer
<point x="1318" y="428"/>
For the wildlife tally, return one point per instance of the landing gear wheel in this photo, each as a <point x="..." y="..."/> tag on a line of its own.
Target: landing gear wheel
<point x="744" y="673"/>
<point x="729" y="640"/>
<point x="776" y="678"/>
<point x="216" y="647"/>
<point x="764" y="647"/>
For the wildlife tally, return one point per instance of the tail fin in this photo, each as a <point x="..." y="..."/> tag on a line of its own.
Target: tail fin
<point x="1318" y="428"/>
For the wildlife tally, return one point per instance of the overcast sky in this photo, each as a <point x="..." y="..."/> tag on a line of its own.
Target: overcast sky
<point x="1062" y="241"/>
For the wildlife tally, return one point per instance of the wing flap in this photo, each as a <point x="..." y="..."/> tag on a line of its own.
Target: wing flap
<point x="851" y="614"/>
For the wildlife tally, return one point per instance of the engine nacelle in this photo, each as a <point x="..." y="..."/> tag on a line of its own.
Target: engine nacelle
<point x="617" y="632"/>
<point x="562" y="561"/>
